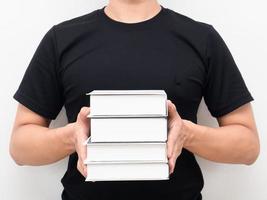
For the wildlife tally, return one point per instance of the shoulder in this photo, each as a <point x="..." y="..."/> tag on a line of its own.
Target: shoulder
<point x="75" y="29"/>
<point x="194" y="33"/>
<point x="187" y="23"/>
<point x="82" y="20"/>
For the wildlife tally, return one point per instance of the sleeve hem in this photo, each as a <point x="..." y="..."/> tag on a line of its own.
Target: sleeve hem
<point x="32" y="105"/>
<point x="232" y="106"/>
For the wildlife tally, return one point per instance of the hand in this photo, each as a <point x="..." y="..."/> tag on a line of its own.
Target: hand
<point x="176" y="136"/>
<point x="81" y="133"/>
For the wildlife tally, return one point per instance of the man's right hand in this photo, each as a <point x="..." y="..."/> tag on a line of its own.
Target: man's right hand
<point x="34" y="143"/>
<point x="81" y="133"/>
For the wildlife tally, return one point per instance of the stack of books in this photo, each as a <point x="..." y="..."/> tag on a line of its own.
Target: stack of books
<point x="128" y="135"/>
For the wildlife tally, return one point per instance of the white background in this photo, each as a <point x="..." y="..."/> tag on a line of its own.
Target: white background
<point x="241" y="23"/>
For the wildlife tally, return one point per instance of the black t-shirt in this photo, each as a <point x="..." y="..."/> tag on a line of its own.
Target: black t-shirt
<point x="186" y="58"/>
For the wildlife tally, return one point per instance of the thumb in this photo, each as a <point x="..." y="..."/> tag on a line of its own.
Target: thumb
<point x="172" y="112"/>
<point x="84" y="112"/>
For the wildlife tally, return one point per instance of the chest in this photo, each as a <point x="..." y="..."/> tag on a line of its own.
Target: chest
<point x="141" y="60"/>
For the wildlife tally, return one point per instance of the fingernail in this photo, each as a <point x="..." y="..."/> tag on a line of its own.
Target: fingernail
<point x="85" y="170"/>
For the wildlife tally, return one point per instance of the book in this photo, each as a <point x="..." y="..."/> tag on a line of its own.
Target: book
<point x="119" y="171"/>
<point x="110" y="152"/>
<point x="128" y="102"/>
<point x="128" y="135"/>
<point x="131" y="129"/>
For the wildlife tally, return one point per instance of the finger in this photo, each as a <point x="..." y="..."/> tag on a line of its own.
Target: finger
<point x="176" y="153"/>
<point x="81" y="168"/>
<point x="84" y="112"/>
<point x="171" y="165"/>
<point x="83" y="123"/>
<point x="84" y="168"/>
<point x="81" y="148"/>
<point x="82" y="152"/>
<point x="172" y="138"/>
<point x="176" y="149"/>
<point x="172" y="112"/>
<point x="170" y="147"/>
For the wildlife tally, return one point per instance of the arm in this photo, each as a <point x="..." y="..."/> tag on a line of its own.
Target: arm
<point x="33" y="143"/>
<point x="235" y="141"/>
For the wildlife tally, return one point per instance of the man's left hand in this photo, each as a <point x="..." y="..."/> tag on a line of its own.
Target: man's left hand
<point x="176" y="135"/>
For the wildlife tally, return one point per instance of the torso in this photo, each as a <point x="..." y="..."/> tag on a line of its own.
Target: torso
<point x="165" y="52"/>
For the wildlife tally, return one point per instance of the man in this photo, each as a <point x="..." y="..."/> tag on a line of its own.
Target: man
<point x="136" y="44"/>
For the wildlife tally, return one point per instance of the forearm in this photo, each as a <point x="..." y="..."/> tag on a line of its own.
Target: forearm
<point x="36" y="145"/>
<point x="228" y="144"/>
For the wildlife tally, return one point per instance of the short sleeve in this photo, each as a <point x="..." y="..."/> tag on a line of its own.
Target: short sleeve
<point x="225" y="89"/>
<point x="40" y="89"/>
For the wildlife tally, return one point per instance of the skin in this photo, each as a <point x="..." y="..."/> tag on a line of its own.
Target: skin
<point x="234" y="141"/>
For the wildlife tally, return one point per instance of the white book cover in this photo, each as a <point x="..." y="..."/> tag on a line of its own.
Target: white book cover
<point x="128" y="102"/>
<point x="107" y="152"/>
<point x="127" y="171"/>
<point x="128" y="129"/>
